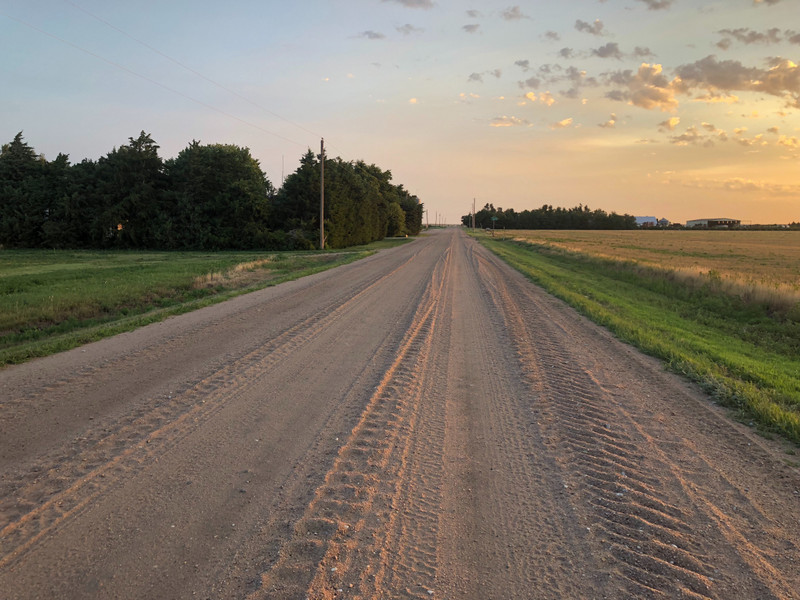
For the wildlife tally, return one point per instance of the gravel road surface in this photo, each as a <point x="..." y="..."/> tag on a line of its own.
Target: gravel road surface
<point x="424" y="423"/>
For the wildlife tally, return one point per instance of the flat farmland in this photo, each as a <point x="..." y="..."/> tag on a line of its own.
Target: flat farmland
<point x="720" y="307"/>
<point x="765" y="258"/>
<point x="52" y="300"/>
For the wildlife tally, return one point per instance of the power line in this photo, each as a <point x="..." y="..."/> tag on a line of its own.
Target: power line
<point x="153" y="81"/>
<point x="191" y="70"/>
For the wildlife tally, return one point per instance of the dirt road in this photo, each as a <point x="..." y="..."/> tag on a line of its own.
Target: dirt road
<point x="424" y="423"/>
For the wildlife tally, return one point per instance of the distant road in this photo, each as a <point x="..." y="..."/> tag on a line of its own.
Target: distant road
<point x="424" y="423"/>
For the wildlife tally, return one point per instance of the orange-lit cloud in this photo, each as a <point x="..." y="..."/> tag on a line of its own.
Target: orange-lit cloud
<point x="562" y="124"/>
<point x="506" y="121"/>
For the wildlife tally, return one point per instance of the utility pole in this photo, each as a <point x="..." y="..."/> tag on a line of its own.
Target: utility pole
<point x="322" y="194"/>
<point x="473" y="214"/>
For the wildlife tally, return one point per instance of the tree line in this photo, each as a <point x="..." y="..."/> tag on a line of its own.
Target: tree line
<point x="209" y="197"/>
<point x="547" y="217"/>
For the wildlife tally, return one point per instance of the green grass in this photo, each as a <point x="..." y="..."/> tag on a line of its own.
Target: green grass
<point x="51" y="301"/>
<point x="743" y="354"/>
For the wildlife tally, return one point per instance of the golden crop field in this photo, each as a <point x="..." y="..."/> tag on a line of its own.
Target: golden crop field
<point x="769" y="259"/>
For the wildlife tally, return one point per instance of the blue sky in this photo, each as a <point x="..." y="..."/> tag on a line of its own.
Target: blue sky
<point x="672" y="108"/>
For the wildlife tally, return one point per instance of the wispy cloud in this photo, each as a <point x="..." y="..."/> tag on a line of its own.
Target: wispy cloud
<point x="513" y="13"/>
<point x="408" y="29"/>
<point x="664" y="4"/>
<point x="471" y="27"/>
<point x="746" y="35"/>
<point x="426" y="4"/>
<point x="611" y="123"/>
<point x="506" y="121"/>
<point x="525" y="65"/>
<point x="735" y="184"/>
<point x="371" y="35"/>
<point x="563" y="124"/>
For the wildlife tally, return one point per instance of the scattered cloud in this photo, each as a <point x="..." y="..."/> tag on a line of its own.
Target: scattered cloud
<point x="471" y="28"/>
<point x="642" y="52"/>
<point x="413" y="101"/>
<point x="468" y="97"/>
<point x="748" y="36"/>
<point x="735" y="184"/>
<point x="647" y="88"/>
<point x="690" y="136"/>
<point x="551" y="36"/>
<point x="716" y="98"/>
<point x="610" y="50"/>
<point x="664" y="4"/>
<point x="547" y="99"/>
<point x="611" y="123"/>
<point x="767" y="2"/>
<point x="562" y="124"/>
<point x="474" y="14"/>
<point x="781" y="80"/>
<point x="478" y="77"/>
<point x="531" y="82"/>
<point x="670" y="124"/>
<point x="371" y="35"/>
<point x="566" y="53"/>
<point x="789" y="142"/>
<point x="408" y="29"/>
<point x="426" y="4"/>
<point x="525" y="65"/>
<point x="595" y="28"/>
<point x="514" y="13"/>
<point x="505" y="121"/>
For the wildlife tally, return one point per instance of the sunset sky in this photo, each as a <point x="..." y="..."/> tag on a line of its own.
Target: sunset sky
<point x="680" y="109"/>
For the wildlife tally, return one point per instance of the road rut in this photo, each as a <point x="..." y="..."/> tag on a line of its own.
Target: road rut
<point x="424" y="423"/>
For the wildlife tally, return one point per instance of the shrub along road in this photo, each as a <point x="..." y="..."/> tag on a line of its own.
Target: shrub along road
<point x="421" y="423"/>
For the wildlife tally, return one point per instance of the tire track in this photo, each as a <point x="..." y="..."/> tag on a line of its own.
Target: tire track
<point x="34" y="504"/>
<point x="517" y="492"/>
<point x="361" y="533"/>
<point x="633" y="518"/>
<point x="644" y="484"/>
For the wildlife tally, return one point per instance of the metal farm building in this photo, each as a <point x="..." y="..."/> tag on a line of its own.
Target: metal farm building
<point x="721" y="223"/>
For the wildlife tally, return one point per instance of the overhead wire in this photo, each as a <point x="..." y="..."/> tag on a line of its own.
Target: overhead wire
<point x="150" y="80"/>
<point x="178" y="92"/>
<point x="190" y="69"/>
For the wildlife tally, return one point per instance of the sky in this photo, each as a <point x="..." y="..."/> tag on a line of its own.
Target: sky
<point x="678" y="109"/>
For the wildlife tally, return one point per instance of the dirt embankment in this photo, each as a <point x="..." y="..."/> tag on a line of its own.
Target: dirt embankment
<point x="424" y="423"/>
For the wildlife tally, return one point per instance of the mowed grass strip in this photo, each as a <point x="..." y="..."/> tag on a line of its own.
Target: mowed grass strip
<point x="744" y="354"/>
<point x="51" y="301"/>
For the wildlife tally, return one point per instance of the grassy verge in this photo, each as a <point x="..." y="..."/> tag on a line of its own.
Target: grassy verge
<point x="52" y="301"/>
<point x="743" y="353"/>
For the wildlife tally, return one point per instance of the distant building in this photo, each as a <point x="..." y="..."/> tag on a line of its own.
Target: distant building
<point x="721" y="223"/>
<point x="646" y="221"/>
<point x="664" y="223"/>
